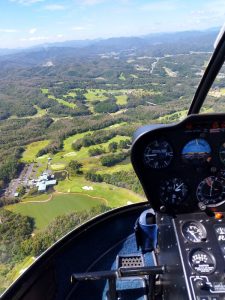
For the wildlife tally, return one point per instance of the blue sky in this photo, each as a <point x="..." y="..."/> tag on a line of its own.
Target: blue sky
<point x="25" y="23"/>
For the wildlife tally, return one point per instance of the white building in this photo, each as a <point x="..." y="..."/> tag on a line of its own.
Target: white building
<point x="44" y="181"/>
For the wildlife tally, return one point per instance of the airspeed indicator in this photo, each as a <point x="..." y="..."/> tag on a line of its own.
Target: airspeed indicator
<point x="158" y="154"/>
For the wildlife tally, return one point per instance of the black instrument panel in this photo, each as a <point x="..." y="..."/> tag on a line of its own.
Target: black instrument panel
<point x="182" y="166"/>
<point x="201" y="243"/>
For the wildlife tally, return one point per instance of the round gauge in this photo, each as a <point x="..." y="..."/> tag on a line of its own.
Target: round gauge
<point x="222" y="153"/>
<point x="202" y="262"/>
<point x="173" y="191"/>
<point x="220" y="230"/>
<point x="158" y="154"/>
<point x="211" y="190"/>
<point x="194" y="232"/>
<point x="197" y="152"/>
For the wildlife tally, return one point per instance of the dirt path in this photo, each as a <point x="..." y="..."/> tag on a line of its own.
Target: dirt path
<point x="82" y="194"/>
<point x="36" y="201"/>
<point x="62" y="193"/>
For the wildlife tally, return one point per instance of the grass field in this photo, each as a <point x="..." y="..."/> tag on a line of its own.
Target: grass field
<point x="58" y="166"/>
<point x="61" y="159"/>
<point x="122" y="76"/>
<point x="121" y="99"/>
<point x="177" y="116"/>
<point x="45" y="212"/>
<point x="44" y="91"/>
<point x="41" y="197"/>
<point x="19" y="268"/>
<point x="96" y="94"/>
<point x="115" y="196"/>
<point x="63" y="102"/>
<point x="40" y="112"/>
<point x="32" y="149"/>
<point x="69" y="194"/>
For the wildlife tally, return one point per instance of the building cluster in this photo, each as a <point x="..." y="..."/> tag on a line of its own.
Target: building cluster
<point x="44" y="181"/>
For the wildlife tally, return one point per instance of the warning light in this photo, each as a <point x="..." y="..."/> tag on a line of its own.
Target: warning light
<point x="189" y="126"/>
<point x="218" y="216"/>
<point x="215" y="125"/>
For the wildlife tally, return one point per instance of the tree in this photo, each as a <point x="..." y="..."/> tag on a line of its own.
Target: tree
<point x="113" y="147"/>
<point x="21" y="190"/>
<point x="75" y="167"/>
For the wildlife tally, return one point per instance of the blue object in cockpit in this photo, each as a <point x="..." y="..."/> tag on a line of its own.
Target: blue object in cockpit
<point x="146" y="231"/>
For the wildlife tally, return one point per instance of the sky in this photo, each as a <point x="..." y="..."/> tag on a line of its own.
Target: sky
<point x="25" y="23"/>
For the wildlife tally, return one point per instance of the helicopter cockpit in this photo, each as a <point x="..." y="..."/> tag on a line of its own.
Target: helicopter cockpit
<point x="182" y="170"/>
<point x="180" y="235"/>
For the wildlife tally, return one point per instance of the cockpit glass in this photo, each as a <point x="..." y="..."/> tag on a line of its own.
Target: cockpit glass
<point x="77" y="78"/>
<point x="215" y="100"/>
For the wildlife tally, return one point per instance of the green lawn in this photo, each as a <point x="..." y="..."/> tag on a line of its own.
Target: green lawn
<point x="133" y="76"/>
<point x="96" y="94"/>
<point x="70" y="95"/>
<point x="61" y="159"/>
<point x="58" y="166"/>
<point x="19" y="268"/>
<point x="32" y="149"/>
<point x="40" y="112"/>
<point x="121" y="99"/>
<point x="63" y="102"/>
<point x="177" y="116"/>
<point x="115" y="196"/>
<point x="44" y="91"/>
<point x="122" y="76"/>
<point x="45" y="212"/>
<point x="41" y="197"/>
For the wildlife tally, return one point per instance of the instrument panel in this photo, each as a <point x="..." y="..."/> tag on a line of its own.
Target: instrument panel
<point x="201" y="243"/>
<point x="182" y="166"/>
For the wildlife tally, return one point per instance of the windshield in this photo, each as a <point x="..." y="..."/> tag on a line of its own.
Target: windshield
<point x="77" y="78"/>
<point x="214" y="101"/>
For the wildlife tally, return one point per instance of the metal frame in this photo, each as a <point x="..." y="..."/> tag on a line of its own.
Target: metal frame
<point x="209" y="76"/>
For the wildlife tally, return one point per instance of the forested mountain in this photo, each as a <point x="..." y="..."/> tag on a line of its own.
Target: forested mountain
<point x="40" y="85"/>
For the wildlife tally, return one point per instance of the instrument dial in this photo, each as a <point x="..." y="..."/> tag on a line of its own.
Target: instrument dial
<point x="194" y="231"/>
<point x="220" y="230"/>
<point x="173" y="191"/>
<point x="202" y="262"/>
<point x="196" y="152"/>
<point x="158" y="154"/>
<point x="211" y="190"/>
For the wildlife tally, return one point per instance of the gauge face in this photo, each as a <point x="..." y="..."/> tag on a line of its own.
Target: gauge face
<point x="196" y="152"/>
<point x="194" y="232"/>
<point x="173" y="191"/>
<point x="220" y="230"/>
<point x="211" y="190"/>
<point x="222" y="153"/>
<point x="202" y="262"/>
<point x="158" y="154"/>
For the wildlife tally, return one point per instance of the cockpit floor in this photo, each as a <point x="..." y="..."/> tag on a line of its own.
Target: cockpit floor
<point x="130" y="289"/>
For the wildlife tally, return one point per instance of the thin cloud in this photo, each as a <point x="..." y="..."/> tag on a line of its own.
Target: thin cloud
<point x="35" y="38"/>
<point x="78" y="28"/>
<point x="32" y="30"/>
<point x="54" y="7"/>
<point x="4" y="30"/>
<point x="92" y="2"/>
<point x="26" y="2"/>
<point x="159" y="6"/>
